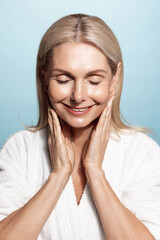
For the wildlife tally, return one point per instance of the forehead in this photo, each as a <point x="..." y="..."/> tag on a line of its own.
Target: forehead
<point x="80" y="56"/>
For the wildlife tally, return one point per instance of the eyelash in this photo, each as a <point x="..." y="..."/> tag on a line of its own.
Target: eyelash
<point x="63" y="82"/>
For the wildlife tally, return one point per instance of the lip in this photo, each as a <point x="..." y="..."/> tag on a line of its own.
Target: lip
<point x="77" y="113"/>
<point x="76" y="107"/>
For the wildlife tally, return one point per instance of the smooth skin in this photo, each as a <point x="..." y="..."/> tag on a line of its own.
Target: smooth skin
<point x="88" y="150"/>
<point x="75" y="70"/>
<point x="79" y="145"/>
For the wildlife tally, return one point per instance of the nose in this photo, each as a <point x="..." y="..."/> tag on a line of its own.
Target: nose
<point x="79" y="91"/>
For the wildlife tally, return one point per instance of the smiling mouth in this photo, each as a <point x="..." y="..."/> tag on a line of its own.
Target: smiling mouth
<point x="78" y="109"/>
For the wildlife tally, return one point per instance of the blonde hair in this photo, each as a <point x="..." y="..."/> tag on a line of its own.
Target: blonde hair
<point x="79" y="28"/>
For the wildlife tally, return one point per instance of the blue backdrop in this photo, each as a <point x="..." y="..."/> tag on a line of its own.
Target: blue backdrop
<point x="136" y="25"/>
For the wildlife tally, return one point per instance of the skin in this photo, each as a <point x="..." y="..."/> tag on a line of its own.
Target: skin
<point x="79" y="91"/>
<point x="81" y="73"/>
<point x="72" y="149"/>
<point x="79" y="59"/>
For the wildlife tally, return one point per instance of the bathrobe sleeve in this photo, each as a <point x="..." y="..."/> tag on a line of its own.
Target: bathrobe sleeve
<point x="14" y="189"/>
<point x="141" y="194"/>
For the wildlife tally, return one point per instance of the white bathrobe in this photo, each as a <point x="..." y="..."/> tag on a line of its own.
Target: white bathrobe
<point x="131" y="165"/>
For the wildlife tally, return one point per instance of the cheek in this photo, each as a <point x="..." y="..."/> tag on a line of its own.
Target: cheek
<point x="101" y="95"/>
<point x="57" y="93"/>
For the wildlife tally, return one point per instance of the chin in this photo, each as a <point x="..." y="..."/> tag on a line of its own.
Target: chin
<point x="80" y="124"/>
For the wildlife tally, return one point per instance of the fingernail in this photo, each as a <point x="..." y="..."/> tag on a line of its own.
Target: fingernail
<point x="110" y="103"/>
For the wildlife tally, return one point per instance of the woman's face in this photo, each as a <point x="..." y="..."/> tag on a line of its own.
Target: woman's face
<point x="80" y="83"/>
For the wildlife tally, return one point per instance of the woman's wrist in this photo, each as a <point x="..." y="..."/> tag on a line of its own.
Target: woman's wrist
<point x="61" y="174"/>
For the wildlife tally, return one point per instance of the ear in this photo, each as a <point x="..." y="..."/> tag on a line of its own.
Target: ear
<point x="116" y="77"/>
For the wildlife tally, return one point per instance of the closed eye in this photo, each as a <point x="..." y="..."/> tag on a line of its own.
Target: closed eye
<point x="95" y="77"/>
<point x="65" y="78"/>
<point x="94" y="83"/>
<point x="61" y="78"/>
<point x="61" y="82"/>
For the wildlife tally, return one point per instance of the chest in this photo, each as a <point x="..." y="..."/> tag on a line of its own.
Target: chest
<point x="79" y="182"/>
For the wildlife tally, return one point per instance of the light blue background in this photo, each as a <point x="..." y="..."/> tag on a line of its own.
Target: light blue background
<point x="136" y="25"/>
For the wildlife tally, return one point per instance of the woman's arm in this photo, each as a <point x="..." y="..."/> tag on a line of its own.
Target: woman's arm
<point x="118" y="222"/>
<point x="27" y="222"/>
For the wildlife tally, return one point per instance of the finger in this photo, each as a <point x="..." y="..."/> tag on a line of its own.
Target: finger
<point x="55" y="120"/>
<point x="110" y="103"/>
<point x="114" y="83"/>
<point x="50" y="123"/>
<point x="49" y="108"/>
<point x="49" y="139"/>
<point x="106" y="126"/>
<point x="51" y="143"/>
<point x="56" y="125"/>
<point x="94" y="133"/>
<point x="66" y="131"/>
<point x="106" y="113"/>
<point x="51" y="135"/>
<point x="108" y="107"/>
<point x="99" y="125"/>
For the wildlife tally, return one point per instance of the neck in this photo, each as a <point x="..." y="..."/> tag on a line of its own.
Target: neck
<point x="81" y="135"/>
<point x="79" y="139"/>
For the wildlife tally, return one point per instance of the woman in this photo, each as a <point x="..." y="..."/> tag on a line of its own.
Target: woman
<point x="81" y="173"/>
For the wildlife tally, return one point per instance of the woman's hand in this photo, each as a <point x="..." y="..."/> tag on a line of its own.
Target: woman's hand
<point x="95" y="148"/>
<point x="60" y="146"/>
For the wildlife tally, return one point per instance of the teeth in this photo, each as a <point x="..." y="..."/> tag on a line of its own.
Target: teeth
<point x="79" y="110"/>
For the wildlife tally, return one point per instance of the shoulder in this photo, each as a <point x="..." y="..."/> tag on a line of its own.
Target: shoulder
<point x="135" y="140"/>
<point x="138" y="141"/>
<point x="19" y="149"/>
<point x="135" y="148"/>
<point x="23" y="139"/>
<point x="140" y="151"/>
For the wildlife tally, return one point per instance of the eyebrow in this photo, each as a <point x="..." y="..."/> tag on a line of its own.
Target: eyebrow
<point x="68" y="73"/>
